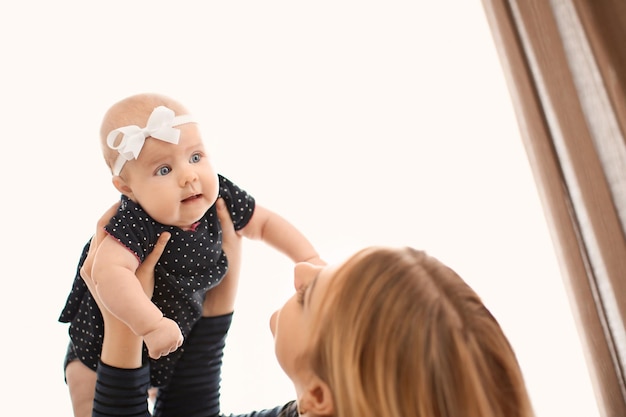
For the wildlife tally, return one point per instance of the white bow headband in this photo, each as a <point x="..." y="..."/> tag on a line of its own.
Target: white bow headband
<point x="160" y="126"/>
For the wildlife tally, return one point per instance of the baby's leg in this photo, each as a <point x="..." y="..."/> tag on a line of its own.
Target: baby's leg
<point x="81" y="382"/>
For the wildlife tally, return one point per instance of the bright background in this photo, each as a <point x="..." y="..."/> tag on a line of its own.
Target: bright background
<point x="362" y="122"/>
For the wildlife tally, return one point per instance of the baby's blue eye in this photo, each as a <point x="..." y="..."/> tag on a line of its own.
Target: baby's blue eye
<point x="195" y="158"/>
<point x="163" y="171"/>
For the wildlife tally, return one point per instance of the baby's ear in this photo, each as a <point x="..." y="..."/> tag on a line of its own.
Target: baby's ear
<point x="122" y="187"/>
<point x="317" y="398"/>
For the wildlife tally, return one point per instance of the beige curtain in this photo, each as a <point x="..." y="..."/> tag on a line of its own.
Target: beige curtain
<point x="565" y="63"/>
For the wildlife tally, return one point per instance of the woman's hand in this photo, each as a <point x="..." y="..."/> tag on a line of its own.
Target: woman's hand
<point x="145" y="271"/>
<point x="121" y="347"/>
<point x="221" y="299"/>
<point x="96" y="240"/>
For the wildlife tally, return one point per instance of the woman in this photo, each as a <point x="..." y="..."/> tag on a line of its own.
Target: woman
<point x="391" y="332"/>
<point x="394" y="332"/>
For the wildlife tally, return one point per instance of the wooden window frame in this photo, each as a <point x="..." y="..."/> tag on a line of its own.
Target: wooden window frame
<point x="565" y="65"/>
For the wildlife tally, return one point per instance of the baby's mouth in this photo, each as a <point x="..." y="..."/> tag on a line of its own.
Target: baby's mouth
<point x="192" y="198"/>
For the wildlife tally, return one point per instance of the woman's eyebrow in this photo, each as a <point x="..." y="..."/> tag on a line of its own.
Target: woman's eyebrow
<point x="311" y="287"/>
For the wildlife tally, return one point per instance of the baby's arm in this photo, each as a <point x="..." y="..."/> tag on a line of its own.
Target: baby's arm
<point x="277" y="232"/>
<point x="122" y="294"/>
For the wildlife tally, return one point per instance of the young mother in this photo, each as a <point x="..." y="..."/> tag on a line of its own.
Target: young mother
<point x="390" y="332"/>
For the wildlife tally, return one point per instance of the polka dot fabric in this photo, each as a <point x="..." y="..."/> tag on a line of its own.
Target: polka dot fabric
<point x="192" y="264"/>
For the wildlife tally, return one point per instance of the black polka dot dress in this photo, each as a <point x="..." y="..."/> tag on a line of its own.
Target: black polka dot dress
<point x="193" y="262"/>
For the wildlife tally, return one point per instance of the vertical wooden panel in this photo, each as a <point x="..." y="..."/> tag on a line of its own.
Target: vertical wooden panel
<point x="605" y="25"/>
<point x="570" y="173"/>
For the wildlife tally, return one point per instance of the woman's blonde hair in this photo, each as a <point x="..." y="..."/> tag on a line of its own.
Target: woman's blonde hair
<point x="402" y="335"/>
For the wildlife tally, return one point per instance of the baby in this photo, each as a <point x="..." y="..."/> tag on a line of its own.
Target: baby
<point x="168" y="185"/>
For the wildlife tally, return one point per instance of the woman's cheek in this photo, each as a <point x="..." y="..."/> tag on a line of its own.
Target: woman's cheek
<point x="281" y="344"/>
<point x="286" y="340"/>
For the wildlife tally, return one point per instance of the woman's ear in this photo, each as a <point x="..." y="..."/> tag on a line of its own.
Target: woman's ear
<point x="317" y="399"/>
<point x="122" y="187"/>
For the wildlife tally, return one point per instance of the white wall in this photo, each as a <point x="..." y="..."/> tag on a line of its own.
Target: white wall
<point x="372" y="122"/>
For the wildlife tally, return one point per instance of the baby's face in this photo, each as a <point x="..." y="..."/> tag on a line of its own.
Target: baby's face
<point x="174" y="183"/>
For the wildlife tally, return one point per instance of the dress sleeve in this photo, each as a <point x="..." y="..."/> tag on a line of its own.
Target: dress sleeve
<point x="132" y="227"/>
<point x="240" y="204"/>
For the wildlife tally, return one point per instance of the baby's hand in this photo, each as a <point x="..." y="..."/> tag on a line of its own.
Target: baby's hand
<point x="164" y="339"/>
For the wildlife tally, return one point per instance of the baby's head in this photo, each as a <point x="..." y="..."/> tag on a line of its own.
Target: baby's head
<point x="157" y="158"/>
<point x="133" y="110"/>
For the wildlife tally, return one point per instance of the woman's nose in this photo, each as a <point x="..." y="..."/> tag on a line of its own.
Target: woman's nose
<point x="303" y="273"/>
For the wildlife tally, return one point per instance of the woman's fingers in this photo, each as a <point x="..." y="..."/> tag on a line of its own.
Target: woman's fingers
<point x="145" y="272"/>
<point x="96" y="240"/>
<point x="154" y="256"/>
<point x="231" y="240"/>
<point x="104" y="220"/>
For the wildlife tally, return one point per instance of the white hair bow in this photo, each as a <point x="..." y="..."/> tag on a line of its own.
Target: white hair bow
<point x="160" y="126"/>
